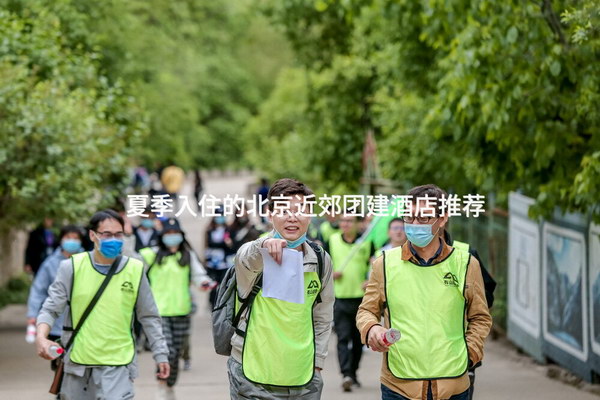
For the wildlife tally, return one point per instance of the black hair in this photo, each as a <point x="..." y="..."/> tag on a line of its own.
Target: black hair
<point x="431" y="191"/>
<point x="148" y="211"/>
<point x="184" y="248"/>
<point x="65" y="230"/>
<point x="103" y="215"/>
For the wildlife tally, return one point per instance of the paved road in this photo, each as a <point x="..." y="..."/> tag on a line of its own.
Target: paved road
<point x="505" y="376"/>
<point x="23" y="376"/>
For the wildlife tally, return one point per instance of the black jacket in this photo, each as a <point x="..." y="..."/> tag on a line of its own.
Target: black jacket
<point x="37" y="249"/>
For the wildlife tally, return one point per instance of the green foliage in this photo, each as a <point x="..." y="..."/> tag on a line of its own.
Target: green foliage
<point x="15" y="291"/>
<point x="475" y="96"/>
<point x="186" y="63"/>
<point x="89" y="88"/>
<point x="66" y="132"/>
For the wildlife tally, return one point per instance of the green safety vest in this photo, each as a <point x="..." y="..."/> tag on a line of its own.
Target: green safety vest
<point x="461" y="245"/>
<point x="327" y="230"/>
<point x="354" y="274"/>
<point x="427" y="305"/>
<point x="279" y="347"/>
<point x="170" y="283"/>
<point x="106" y="337"/>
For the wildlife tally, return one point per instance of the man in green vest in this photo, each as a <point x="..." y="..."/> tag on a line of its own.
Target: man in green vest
<point x="101" y="364"/>
<point x="350" y="258"/>
<point x="433" y="294"/>
<point x="279" y="347"/>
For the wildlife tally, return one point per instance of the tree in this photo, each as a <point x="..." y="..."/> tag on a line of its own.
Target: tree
<point x="66" y="132"/>
<point x="478" y="97"/>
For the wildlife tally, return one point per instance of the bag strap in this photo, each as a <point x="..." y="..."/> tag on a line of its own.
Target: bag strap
<point x="93" y="302"/>
<point x="246" y="304"/>
<point x="319" y="252"/>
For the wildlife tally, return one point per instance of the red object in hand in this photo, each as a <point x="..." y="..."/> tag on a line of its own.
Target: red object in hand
<point x="390" y="337"/>
<point x="55" y="351"/>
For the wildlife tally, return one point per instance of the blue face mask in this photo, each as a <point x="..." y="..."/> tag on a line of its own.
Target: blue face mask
<point x="419" y="235"/>
<point x="220" y="220"/>
<point x="147" y="223"/>
<point x="172" y="239"/>
<point x="110" y="248"/>
<point x="71" y="245"/>
<point x="291" y="244"/>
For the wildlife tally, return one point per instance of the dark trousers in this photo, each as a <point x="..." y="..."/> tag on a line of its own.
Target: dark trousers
<point x="175" y="330"/>
<point x="349" y="346"/>
<point x="472" y="381"/>
<point x="389" y="394"/>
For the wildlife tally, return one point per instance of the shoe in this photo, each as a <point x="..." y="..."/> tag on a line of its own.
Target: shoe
<point x="356" y="383"/>
<point x="187" y="365"/>
<point x="347" y="384"/>
<point x="161" y="393"/>
<point x="170" y="393"/>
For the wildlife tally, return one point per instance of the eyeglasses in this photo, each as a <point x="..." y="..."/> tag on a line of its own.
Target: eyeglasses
<point x="420" y="220"/>
<point x="110" y="235"/>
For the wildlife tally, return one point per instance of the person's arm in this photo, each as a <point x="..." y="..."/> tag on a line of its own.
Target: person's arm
<point x="248" y="264"/>
<point x="199" y="275"/>
<point x="38" y="292"/>
<point x="53" y="307"/>
<point x="58" y="295"/>
<point x="368" y="317"/>
<point x="149" y="318"/>
<point x="479" y="320"/>
<point x="323" y="314"/>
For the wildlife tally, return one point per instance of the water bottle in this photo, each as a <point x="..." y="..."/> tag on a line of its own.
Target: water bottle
<point x="55" y="351"/>
<point x="391" y="336"/>
<point x="30" y="335"/>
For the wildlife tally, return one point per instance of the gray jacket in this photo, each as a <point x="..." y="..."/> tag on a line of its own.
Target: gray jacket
<point x="249" y="263"/>
<point x="147" y="314"/>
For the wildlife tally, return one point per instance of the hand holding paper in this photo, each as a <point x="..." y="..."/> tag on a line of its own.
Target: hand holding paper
<point x="286" y="281"/>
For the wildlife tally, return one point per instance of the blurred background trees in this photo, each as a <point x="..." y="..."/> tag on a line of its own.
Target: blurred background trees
<point x="483" y="97"/>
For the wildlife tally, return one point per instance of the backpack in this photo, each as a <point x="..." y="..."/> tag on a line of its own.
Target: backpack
<point x="224" y="317"/>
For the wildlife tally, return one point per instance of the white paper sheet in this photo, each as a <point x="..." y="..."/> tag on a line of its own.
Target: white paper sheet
<point x="286" y="281"/>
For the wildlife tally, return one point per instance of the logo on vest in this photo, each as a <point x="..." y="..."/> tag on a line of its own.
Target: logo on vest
<point x="450" y="280"/>
<point x="127" y="287"/>
<point x="313" y="287"/>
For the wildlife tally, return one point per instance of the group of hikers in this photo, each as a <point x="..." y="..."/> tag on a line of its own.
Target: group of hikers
<point x="103" y="304"/>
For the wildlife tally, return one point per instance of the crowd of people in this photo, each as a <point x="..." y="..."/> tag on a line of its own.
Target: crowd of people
<point x="134" y="287"/>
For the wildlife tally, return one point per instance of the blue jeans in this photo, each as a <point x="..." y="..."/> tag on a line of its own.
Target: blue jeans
<point x="388" y="394"/>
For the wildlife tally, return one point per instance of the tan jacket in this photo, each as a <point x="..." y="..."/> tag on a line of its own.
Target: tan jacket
<point x="479" y="322"/>
<point x="248" y="264"/>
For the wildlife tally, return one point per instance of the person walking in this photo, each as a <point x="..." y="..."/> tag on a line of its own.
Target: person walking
<point x="100" y="359"/>
<point x="433" y="295"/>
<point x="173" y="268"/>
